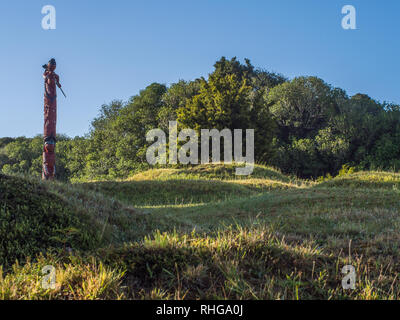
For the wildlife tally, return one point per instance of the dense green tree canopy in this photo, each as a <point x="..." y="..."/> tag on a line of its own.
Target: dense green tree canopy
<point x="302" y="126"/>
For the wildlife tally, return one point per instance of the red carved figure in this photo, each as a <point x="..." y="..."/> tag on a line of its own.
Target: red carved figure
<point x="51" y="80"/>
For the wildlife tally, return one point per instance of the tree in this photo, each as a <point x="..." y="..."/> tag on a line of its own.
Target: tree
<point x="301" y="107"/>
<point x="177" y="96"/>
<point x="228" y="101"/>
<point x="118" y="136"/>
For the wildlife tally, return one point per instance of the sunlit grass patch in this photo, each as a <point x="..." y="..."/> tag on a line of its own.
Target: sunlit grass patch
<point x="370" y="179"/>
<point x="211" y="171"/>
<point x="74" y="280"/>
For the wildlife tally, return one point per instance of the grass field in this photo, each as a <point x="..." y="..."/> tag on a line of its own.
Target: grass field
<point x="201" y="233"/>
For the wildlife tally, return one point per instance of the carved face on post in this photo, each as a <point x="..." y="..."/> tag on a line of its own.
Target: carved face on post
<point x="52" y="65"/>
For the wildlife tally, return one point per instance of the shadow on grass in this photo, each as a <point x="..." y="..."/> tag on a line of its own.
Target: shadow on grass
<point x="229" y="266"/>
<point x="169" y="192"/>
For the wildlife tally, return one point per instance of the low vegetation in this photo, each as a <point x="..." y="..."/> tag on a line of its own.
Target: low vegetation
<point x="202" y="233"/>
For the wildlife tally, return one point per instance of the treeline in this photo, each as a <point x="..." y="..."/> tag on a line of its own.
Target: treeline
<point x="302" y="126"/>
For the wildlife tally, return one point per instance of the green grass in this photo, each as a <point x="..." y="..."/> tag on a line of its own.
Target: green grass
<point x="202" y="233"/>
<point x="32" y="220"/>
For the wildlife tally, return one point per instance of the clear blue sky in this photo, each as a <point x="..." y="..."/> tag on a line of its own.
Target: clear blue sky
<point x="109" y="50"/>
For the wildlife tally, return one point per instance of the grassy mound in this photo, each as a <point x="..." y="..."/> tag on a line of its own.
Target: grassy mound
<point x="203" y="233"/>
<point x="168" y="192"/>
<point x="229" y="265"/>
<point x="243" y="263"/>
<point x="33" y="220"/>
<point x="211" y="171"/>
<point x="43" y="217"/>
<point x="367" y="180"/>
<point x="194" y="185"/>
<point x="239" y="263"/>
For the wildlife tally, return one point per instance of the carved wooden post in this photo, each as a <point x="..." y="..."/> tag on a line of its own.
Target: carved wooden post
<point x="51" y="80"/>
